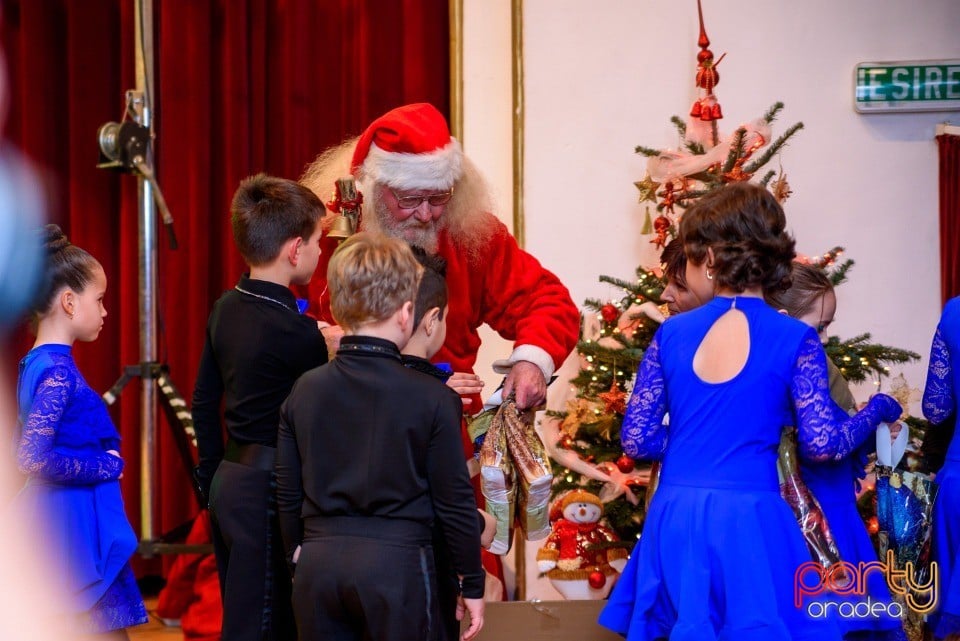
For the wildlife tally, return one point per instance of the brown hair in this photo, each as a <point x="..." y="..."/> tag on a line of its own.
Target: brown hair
<point x="432" y="290"/>
<point x="674" y="262"/>
<point x="68" y="266"/>
<point x="370" y="277"/>
<point x="808" y="283"/>
<point x="745" y="227"/>
<point x="267" y="212"/>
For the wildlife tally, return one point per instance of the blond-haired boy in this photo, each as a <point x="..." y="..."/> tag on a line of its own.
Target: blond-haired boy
<point x="369" y="456"/>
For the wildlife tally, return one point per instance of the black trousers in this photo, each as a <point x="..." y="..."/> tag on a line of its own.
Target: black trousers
<point x="365" y="584"/>
<point x="254" y="580"/>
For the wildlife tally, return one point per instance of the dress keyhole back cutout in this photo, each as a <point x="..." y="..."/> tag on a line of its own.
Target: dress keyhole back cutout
<point x="723" y="352"/>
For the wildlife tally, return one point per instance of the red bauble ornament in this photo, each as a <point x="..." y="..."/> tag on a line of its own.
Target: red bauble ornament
<point x="609" y="313"/>
<point x="625" y="464"/>
<point x="566" y="442"/>
<point x="597" y="579"/>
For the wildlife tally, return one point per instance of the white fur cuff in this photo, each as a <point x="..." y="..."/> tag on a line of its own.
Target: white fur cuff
<point x="530" y="353"/>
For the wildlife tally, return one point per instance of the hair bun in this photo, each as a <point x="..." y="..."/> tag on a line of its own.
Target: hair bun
<point x="54" y="239"/>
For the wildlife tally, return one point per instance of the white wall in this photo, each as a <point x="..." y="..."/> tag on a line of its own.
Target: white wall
<point x="604" y="76"/>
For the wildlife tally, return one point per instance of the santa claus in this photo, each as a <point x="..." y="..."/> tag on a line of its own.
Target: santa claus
<point x="417" y="184"/>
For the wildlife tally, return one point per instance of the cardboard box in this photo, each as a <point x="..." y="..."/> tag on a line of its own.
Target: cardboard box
<point x="545" y="621"/>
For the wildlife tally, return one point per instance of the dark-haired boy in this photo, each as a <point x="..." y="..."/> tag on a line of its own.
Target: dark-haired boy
<point x="258" y="343"/>
<point x="430" y="329"/>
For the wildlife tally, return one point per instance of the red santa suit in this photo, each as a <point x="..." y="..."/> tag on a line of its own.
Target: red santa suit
<point x="504" y="287"/>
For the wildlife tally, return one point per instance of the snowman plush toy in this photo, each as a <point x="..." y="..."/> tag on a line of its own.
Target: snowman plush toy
<point x="580" y="557"/>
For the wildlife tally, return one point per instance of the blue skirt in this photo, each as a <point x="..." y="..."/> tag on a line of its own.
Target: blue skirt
<point x="86" y="533"/>
<point x="946" y="550"/>
<point x="715" y="565"/>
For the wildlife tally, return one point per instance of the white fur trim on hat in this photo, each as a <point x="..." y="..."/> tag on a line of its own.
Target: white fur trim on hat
<point x="438" y="169"/>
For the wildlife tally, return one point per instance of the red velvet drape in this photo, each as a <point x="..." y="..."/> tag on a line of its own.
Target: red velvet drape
<point x="949" y="147"/>
<point x="241" y="86"/>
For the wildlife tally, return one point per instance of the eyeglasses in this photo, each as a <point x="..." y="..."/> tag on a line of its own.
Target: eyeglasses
<point x="412" y="202"/>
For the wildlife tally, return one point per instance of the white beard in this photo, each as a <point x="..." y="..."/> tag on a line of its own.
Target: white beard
<point x="425" y="235"/>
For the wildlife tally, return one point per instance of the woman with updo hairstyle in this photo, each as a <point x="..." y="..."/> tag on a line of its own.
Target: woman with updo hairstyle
<point x="69" y="451"/>
<point x="720" y="547"/>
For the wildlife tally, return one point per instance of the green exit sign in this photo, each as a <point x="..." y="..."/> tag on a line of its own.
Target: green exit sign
<point x="919" y="85"/>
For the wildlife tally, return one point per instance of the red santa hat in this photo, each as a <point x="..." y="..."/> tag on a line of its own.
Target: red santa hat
<point x="409" y="147"/>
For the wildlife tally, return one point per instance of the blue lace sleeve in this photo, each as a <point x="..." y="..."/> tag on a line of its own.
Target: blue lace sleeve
<point x="36" y="454"/>
<point x="825" y="432"/>
<point x="938" y="399"/>
<point x="643" y="435"/>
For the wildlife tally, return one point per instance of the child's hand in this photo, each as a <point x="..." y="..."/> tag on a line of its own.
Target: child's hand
<point x="895" y="429"/>
<point x="489" y="529"/>
<point x="465" y="384"/>
<point x="475" y="608"/>
<point x="331" y="336"/>
<point x="117" y="454"/>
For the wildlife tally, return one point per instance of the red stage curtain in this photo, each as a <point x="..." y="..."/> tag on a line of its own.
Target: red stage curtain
<point x="949" y="147"/>
<point x="242" y="86"/>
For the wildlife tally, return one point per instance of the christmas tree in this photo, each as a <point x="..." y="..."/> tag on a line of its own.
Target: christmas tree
<point x="586" y="451"/>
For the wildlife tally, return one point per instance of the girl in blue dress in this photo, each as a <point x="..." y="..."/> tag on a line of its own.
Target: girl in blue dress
<point x="811" y="299"/>
<point x="720" y="547"/>
<point x="939" y="403"/>
<point x="69" y="450"/>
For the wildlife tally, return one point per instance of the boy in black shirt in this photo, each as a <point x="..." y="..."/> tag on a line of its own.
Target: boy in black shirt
<point x="369" y="457"/>
<point x="430" y="325"/>
<point x="257" y="344"/>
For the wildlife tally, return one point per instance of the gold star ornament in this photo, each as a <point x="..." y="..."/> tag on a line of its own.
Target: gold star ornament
<point x="648" y="189"/>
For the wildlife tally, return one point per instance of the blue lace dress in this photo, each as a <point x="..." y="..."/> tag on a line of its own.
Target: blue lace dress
<point x="940" y="402"/>
<point x="72" y="493"/>
<point x="720" y="546"/>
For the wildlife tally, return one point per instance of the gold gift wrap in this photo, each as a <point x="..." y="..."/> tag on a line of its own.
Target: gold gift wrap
<point x="515" y="476"/>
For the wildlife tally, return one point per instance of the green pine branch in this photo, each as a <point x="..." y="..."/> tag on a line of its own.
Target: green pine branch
<point x="838" y="274"/>
<point x="647" y="151"/>
<point x="772" y="150"/>
<point x="772" y="113"/>
<point x="857" y="358"/>
<point x="766" y="178"/>
<point x="691" y="194"/>
<point x="736" y="149"/>
<point x="680" y="125"/>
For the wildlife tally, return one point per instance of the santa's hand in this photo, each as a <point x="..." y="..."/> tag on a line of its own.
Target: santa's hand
<point x="465" y="384"/>
<point x="526" y="382"/>
<point x="475" y="608"/>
